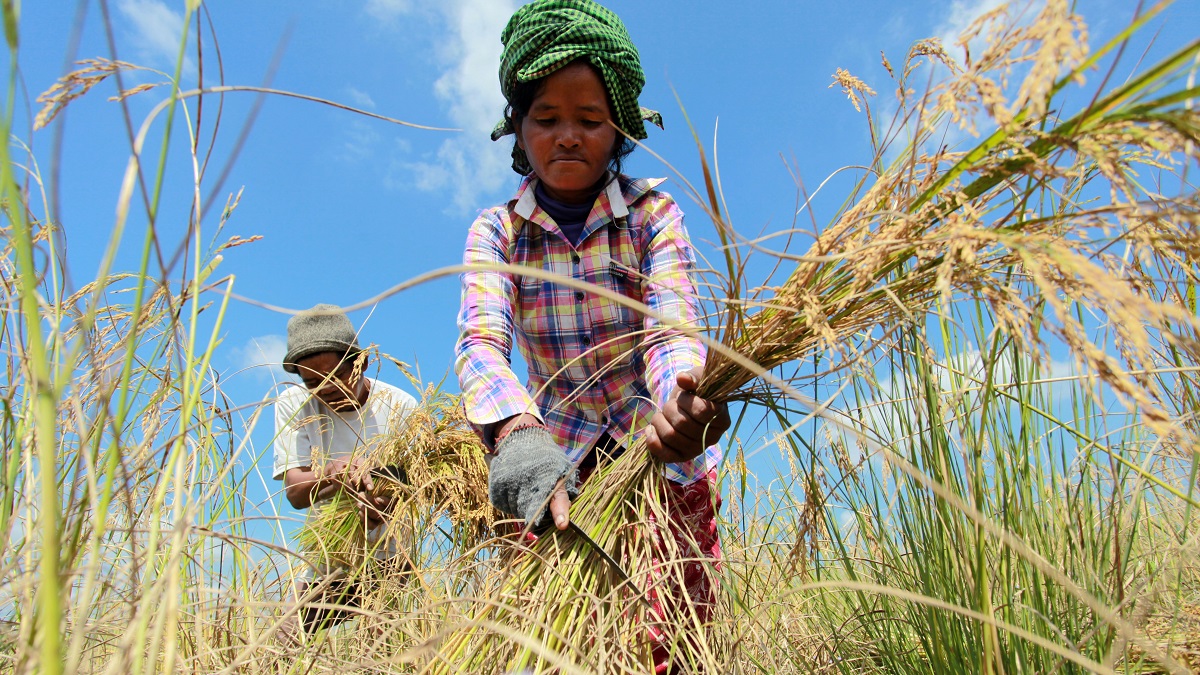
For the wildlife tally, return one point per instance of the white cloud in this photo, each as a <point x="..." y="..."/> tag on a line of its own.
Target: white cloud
<point x="359" y="139"/>
<point x="388" y="10"/>
<point x="360" y="98"/>
<point x="470" y="86"/>
<point x="156" y="31"/>
<point x="956" y="17"/>
<point x="469" y="164"/>
<point x="261" y="355"/>
<point x="962" y="13"/>
<point x="897" y="406"/>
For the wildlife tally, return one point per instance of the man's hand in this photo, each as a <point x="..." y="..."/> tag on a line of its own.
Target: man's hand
<point x="348" y="475"/>
<point x="687" y="424"/>
<point x="354" y="479"/>
<point x="375" y="510"/>
<point x="530" y="473"/>
<point x="306" y="486"/>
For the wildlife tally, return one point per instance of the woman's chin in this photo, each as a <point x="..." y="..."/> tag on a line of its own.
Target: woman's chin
<point x="569" y="186"/>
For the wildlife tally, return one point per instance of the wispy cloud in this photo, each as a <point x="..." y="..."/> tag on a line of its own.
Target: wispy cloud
<point x="388" y="10"/>
<point x="359" y="139"/>
<point x="156" y="31"/>
<point x="469" y="165"/>
<point x="956" y="17"/>
<point x="360" y="98"/>
<point x="895" y="412"/>
<point x="261" y="356"/>
<point x="962" y="13"/>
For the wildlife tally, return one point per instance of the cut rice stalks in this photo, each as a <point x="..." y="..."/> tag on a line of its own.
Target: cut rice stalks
<point x="573" y="602"/>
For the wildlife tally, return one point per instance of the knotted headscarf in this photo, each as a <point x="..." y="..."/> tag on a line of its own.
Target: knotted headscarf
<point x="546" y="35"/>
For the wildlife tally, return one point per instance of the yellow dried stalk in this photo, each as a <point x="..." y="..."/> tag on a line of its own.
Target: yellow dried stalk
<point x="560" y="603"/>
<point x="1044" y="216"/>
<point x="443" y="459"/>
<point x="77" y="83"/>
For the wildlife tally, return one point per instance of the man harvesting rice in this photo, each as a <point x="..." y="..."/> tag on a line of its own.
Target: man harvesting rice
<point x="597" y="368"/>
<point x="337" y="412"/>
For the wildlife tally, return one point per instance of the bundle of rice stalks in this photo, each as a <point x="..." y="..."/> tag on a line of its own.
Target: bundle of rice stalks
<point x="1045" y="220"/>
<point x="568" y="601"/>
<point x="431" y="467"/>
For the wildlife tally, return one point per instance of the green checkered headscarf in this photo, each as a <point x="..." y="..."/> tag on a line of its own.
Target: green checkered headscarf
<point x="546" y="35"/>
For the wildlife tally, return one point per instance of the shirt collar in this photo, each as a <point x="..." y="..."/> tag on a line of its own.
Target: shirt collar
<point x="622" y="192"/>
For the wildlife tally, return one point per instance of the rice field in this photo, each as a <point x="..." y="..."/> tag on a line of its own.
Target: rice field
<point x="980" y="375"/>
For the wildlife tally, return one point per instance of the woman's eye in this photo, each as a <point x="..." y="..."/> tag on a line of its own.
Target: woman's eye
<point x="592" y="124"/>
<point x="544" y="121"/>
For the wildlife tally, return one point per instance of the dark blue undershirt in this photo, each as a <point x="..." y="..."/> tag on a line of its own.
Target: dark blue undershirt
<point x="570" y="218"/>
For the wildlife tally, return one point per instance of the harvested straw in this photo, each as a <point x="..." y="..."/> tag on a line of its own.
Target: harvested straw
<point x="561" y="604"/>
<point x="1025" y="221"/>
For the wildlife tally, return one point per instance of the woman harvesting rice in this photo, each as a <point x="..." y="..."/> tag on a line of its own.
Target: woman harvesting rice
<point x="596" y="367"/>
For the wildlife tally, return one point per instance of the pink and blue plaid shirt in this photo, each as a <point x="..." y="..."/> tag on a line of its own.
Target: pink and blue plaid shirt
<point x="594" y="364"/>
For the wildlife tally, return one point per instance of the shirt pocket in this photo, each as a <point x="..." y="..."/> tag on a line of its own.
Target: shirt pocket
<point x="620" y="326"/>
<point x="626" y="281"/>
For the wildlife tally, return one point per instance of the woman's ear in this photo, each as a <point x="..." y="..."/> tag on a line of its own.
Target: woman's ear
<point x="516" y="125"/>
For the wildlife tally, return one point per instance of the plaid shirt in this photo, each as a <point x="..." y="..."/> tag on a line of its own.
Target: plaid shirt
<point x="594" y="365"/>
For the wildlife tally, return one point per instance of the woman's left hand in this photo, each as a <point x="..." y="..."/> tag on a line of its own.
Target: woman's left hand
<point x="687" y="424"/>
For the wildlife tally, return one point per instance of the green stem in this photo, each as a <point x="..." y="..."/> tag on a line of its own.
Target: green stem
<point x="44" y="407"/>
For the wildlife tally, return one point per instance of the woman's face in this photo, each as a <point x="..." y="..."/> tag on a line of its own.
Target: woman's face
<point x="566" y="134"/>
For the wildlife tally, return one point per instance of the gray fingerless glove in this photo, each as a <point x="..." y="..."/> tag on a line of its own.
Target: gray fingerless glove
<point x="527" y="466"/>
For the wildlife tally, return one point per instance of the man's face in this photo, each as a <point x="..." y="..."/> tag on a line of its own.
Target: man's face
<point x="332" y="379"/>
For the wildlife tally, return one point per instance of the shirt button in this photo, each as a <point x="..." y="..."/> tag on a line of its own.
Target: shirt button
<point x="575" y="258"/>
<point x="587" y="339"/>
<point x="578" y="296"/>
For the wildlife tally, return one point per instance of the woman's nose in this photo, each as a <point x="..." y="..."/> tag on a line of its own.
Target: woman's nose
<point x="569" y="138"/>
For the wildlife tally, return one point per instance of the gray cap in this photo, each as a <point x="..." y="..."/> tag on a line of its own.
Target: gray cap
<point x="323" y="328"/>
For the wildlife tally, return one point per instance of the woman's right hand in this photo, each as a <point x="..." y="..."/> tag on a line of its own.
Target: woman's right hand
<point x="687" y="424"/>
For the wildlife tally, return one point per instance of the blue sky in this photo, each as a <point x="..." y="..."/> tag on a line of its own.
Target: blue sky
<point x="348" y="206"/>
